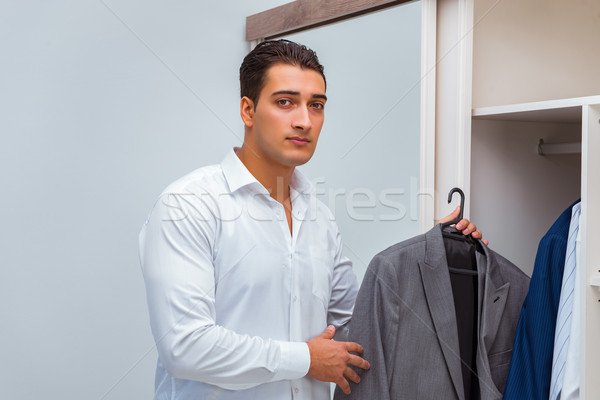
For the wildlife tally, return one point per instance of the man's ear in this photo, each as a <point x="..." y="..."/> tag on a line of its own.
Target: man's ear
<point x="247" y="111"/>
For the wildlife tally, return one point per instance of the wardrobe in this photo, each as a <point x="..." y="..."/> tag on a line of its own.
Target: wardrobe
<point x="519" y="186"/>
<point x="534" y="139"/>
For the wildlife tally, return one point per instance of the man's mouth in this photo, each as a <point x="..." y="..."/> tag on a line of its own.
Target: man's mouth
<point x="297" y="140"/>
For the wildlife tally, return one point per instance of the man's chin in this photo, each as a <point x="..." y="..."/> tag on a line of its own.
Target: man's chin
<point x="296" y="161"/>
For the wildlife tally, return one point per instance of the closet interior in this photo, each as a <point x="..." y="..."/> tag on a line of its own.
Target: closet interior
<point x="527" y="167"/>
<point x="535" y="89"/>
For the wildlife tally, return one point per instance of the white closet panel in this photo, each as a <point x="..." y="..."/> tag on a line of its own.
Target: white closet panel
<point x="517" y="193"/>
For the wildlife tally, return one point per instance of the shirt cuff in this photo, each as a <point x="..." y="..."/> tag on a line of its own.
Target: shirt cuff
<point x="294" y="362"/>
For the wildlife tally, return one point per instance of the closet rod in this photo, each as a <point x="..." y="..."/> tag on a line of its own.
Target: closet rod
<point x="545" y="149"/>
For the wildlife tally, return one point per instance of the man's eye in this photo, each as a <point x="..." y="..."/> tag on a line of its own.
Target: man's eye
<point x="284" y="102"/>
<point x="318" y="106"/>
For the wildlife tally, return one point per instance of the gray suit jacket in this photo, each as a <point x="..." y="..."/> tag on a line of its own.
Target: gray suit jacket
<point x="404" y="318"/>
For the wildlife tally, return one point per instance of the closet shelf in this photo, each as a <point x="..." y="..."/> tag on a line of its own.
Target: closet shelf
<point x="563" y="110"/>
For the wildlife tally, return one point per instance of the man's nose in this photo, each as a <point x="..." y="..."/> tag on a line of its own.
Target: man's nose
<point x="302" y="119"/>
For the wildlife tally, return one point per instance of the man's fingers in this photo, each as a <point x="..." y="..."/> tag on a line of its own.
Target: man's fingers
<point x="329" y="332"/>
<point x="358" y="362"/>
<point x="344" y="385"/>
<point x="463" y="225"/>
<point x="466" y="227"/>
<point x="352" y="347"/>
<point x="470" y="229"/>
<point x="352" y="375"/>
<point x="450" y="217"/>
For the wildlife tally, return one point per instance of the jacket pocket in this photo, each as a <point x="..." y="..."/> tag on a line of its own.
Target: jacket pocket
<point x="499" y="366"/>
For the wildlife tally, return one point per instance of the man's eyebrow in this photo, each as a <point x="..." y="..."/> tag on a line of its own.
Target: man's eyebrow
<point x="290" y="92"/>
<point x="295" y="93"/>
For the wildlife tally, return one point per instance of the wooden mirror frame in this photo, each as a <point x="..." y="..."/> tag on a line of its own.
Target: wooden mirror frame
<point x="305" y="14"/>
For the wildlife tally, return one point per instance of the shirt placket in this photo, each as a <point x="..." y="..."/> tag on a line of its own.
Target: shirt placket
<point x="298" y="292"/>
<point x="296" y="282"/>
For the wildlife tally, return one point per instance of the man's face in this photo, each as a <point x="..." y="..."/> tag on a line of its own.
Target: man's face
<point x="288" y="115"/>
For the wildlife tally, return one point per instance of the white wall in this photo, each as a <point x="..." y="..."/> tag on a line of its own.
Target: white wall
<point x="516" y="193"/>
<point x="102" y="104"/>
<point x="535" y="50"/>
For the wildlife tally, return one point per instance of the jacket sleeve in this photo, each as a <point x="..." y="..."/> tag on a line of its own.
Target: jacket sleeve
<point x="374" y="326"/>
<point x="531" y="364"/>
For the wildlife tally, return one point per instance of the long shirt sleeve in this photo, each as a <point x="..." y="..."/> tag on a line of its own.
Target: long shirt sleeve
<point x="176" y="250"/>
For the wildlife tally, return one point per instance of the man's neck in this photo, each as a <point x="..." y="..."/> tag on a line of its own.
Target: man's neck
<point x="275" y="178"/>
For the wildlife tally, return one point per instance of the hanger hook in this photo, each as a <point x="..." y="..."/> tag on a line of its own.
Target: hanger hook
<point x="462" y="201"/>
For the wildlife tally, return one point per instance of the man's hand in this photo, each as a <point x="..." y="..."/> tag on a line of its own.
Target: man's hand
<point x="329" y="360"/>
<point x="464" y="225"/>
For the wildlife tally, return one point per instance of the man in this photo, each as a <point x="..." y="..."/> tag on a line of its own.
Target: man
<point x="246" y="283"/>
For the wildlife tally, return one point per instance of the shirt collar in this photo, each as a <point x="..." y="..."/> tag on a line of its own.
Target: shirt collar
<point x="300" y="183"/>
<point x="238" y="176"/>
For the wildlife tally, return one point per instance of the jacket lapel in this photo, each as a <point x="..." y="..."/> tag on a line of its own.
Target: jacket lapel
<point x="438" y="292"/>
<point x="495" y="293"/>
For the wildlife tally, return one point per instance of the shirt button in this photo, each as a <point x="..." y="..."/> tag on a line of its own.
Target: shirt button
<point x="295" y="298"/>
<point x="296" y="390"/>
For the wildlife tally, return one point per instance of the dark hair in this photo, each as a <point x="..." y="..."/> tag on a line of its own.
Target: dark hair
<point x="271" y="52"/>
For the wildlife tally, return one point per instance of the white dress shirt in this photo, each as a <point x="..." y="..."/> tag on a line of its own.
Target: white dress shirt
<point x="571" y="380"/>
<point x="234" y="296"/>
<point x="566" y="308"/>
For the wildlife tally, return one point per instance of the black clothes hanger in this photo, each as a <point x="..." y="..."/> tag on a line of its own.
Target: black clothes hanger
<point x="462" y="267"/>
<point x="450" y="232"/>
<point x="460" y="249"/>
<point x="462" y="206"/>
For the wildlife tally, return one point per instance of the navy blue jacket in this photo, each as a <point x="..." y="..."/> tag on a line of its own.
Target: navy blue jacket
<point x="531" y="363"/>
